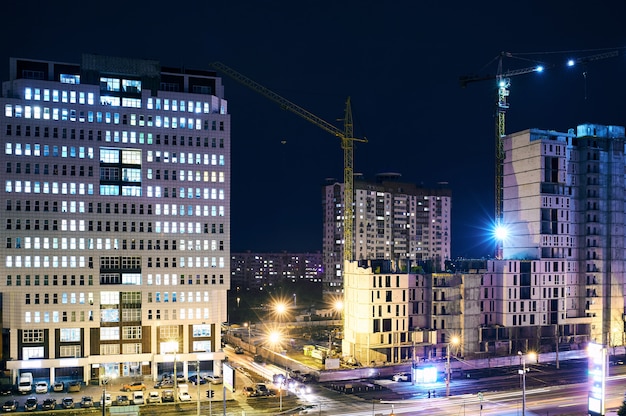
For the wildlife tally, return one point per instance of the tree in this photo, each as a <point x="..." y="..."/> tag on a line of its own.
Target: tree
<point x="622" y="410"/>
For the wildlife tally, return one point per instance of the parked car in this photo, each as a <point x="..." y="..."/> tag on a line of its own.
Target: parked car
<point x="167" y="396"/>
<point x="73" y="387"/>
<point x="122" y="400"/>
<point x="213" y="379"/>
<point x="249" y="392"/>
<point x="58" y="386"/>
<point x="41" y="387"/>
<point x="138" y="398"/>
<point x="164" y="384"/>
<point x="154" y="397"/>
<point x="194" y="379"/>
<point x="10" y="406"/>
<point x="6" y="389"/>
<point x="183" y="396"/>
<point x="31" y="404"/>
<point x="86" y="401"/>
<point x="238" y="350"/>
<point x="401" y="377"/>
<point x="135" y="386"/>
<point x="107" y="399"/>
<point x="49" y="404"/>
<point x="67" y="403"/>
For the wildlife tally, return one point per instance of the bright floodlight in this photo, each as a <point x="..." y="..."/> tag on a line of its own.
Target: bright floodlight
<point x="539" y="68"/>
<point x="570" y="62"/>
<point x="500" y="232"/>
<point x="455" y="340"/>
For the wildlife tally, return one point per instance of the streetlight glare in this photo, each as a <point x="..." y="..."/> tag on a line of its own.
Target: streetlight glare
<point x="280" y="308"/>
<point x="274" y="337"/>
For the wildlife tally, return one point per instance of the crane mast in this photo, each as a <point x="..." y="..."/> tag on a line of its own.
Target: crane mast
<point x="347" y="144"/>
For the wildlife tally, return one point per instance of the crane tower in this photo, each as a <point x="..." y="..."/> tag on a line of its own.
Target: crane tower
<point x="347" y="144"/>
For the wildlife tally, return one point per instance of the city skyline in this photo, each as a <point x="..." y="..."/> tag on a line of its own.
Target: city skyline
<point x="399" y="64"/>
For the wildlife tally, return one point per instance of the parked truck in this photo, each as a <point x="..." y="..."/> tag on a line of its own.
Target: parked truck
<point x="25" y="383"/>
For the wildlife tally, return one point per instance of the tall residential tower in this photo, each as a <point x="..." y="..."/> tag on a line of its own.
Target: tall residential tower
<point x="115" y="216"/>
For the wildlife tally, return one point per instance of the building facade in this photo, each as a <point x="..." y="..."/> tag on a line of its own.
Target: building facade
<point x="561" y="279"/>
<point x="394" y="314"/>
<point x="393" y="221"/>
<point x="116" y="218"/>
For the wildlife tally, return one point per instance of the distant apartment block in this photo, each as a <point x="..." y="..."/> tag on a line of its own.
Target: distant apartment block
<point x="257" y="270"/>
<point x="393" y="221"/>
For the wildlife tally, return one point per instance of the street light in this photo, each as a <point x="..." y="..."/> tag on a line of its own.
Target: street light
<point x="522" y="371"/>
<point x="274" y="339"/>
<point x="453" y="341"/>
<point x="172" y="347"/>
<point x="248" y="324"/>
<point x="280" y="309"/>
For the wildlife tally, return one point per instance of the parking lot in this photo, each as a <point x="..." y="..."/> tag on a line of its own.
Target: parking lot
<point x="118" y="392"/>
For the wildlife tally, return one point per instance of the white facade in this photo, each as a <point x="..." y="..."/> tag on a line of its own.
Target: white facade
<point x="563" y="263"/>
<point x="116" y="217"/>
<point x="376" y="313"/>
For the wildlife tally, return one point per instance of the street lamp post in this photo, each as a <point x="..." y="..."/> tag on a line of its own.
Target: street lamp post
<point x="453" y="341"/>
<point x="248" y="324"/>
<point x="523" y="373"/>
<point x="175" y="380"/>
<point x="198" y="387"/>
<point x="104" y="395"/>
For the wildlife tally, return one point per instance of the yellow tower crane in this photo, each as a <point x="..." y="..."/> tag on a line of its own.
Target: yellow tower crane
<point x="347" y="144"/>
<point x="503" y="83"/>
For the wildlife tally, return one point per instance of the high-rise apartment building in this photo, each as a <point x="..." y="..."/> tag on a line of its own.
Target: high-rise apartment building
<point x="115" y="217"/>
<point x="393" y="221"/>
<point x="561" y="279"/>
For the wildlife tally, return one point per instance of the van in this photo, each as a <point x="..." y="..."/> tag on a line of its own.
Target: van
<point x="138" y="397"/>
<point x="25" y="383"/>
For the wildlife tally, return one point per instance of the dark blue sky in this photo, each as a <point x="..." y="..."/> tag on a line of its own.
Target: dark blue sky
<point x="398" y="61"/>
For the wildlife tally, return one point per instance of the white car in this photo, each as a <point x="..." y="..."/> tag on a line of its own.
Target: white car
<point x="41" y="387"/>
<point x="107" y="399"/>
<point x="183" y="396"/>
<point x="213" y="379"/>
<point x="401" y="377"/>
<point x="154" y="397"/>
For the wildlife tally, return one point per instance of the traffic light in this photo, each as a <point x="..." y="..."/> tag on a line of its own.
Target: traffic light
<point x="210" y="394"/>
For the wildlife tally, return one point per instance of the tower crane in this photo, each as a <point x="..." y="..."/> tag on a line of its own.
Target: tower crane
<point x="503" y="83"/>
<point x="347" y="144"/>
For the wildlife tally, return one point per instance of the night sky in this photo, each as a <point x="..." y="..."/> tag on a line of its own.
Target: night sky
<point x="399" y="61"/>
